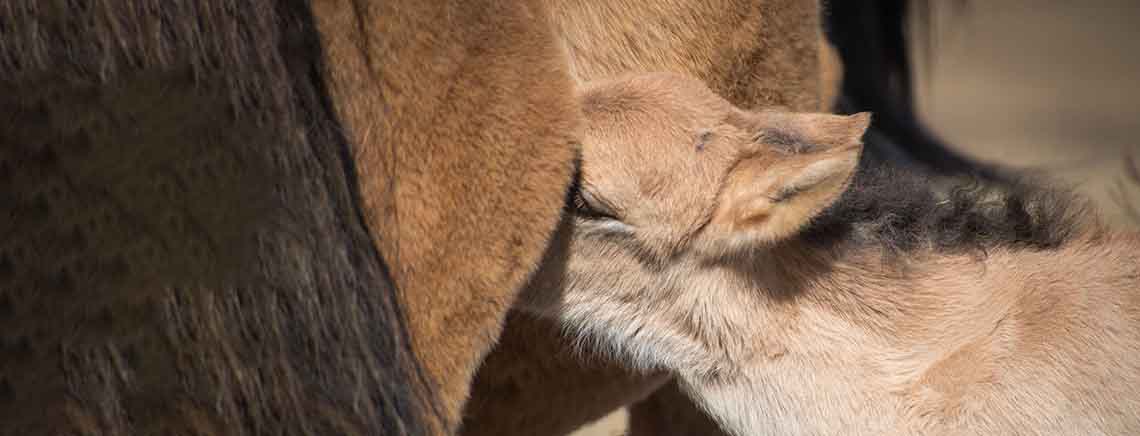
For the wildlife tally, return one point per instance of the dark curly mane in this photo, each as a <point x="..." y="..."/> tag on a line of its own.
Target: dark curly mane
<point x="904" y="210"/>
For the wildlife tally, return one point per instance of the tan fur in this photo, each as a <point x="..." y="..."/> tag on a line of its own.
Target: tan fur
<point x="790" y="337"/>
<point x="757" y="53"/>
<point x="830" y="75"/>
<point x="477" y="125"/>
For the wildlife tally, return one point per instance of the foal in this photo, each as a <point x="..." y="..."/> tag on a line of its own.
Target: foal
<point x="793" y="294"/>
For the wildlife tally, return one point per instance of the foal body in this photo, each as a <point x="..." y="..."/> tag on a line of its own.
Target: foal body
<point x="1020" y="342"/>
<point x="790" y="297"/>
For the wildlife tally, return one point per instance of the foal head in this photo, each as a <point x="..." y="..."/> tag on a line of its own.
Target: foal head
<point x="676" y="183"/>
<point x="670" y="169"/>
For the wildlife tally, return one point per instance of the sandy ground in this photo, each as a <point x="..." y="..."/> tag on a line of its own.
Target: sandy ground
<point x="1032" y="83"/>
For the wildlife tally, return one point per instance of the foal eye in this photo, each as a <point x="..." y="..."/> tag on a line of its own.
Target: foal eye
<point x="587" y="207"/>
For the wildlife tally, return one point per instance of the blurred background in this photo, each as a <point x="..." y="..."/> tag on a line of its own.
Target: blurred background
<point x="1053" y="85"/>
<point x="1044" y="84"/>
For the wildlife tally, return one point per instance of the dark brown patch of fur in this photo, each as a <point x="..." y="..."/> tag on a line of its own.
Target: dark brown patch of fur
<point x="181" y="247"/>
<point x="903" y="209"/>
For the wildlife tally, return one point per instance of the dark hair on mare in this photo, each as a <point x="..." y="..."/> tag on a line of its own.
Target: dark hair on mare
<point x="871" y="40"/>
<point x="181" y="245"/>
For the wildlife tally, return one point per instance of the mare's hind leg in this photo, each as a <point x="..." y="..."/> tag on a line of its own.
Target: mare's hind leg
<point x="534" y="383"/>
<point x="668" y="412"/>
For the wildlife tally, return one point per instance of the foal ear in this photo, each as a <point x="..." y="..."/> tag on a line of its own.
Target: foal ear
<point x="806" y="161"/>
